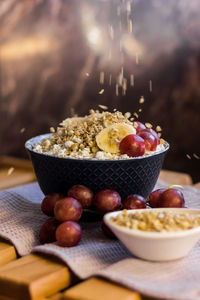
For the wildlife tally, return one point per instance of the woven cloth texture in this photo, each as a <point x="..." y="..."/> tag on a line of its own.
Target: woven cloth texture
<point x="20" y="221"/>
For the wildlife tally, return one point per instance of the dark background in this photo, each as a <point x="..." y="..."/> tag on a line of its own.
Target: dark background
<point x="47" y="47"/>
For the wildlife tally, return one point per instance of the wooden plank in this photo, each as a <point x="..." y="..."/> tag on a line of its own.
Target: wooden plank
<point x="23" y="172"/>
<point x="33" y="277"/>
<point x="17" y="162"/>
<point x="18" y="177"/>
<point x="7" y="253"/>
<point x="99" y="289"/>
<point x="172" y="177"/>
<point x="58" y="296"/>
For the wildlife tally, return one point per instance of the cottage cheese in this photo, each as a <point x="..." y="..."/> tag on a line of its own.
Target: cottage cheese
<point x="76" y="137"/>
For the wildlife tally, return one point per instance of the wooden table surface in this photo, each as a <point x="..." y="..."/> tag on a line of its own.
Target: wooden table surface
<point x="38" y="277"/>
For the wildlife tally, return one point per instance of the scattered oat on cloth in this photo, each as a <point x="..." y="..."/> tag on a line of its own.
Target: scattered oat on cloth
<point x="20" y="221"/>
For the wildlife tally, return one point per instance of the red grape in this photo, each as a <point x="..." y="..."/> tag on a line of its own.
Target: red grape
<point x="154" y="198"/>
<point x="81" y="193"/>
<point x="132" y="145"/>
<point x="68" y="234"/>
<point x="172" y="198"/>
<point x="153" y="133"/>
<point x="107" y="200"/>
<point x="48" y="231"/>
<point x="48" y="203"/>
<point x="68" y="209"/>
<point x="149" y="139"/>
<point x="139" y="126"/>
<point x="107" y="231"/>
<point x="134" y="202"/>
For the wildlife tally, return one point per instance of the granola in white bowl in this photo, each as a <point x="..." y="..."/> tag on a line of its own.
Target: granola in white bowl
<point x="95" y="136"/>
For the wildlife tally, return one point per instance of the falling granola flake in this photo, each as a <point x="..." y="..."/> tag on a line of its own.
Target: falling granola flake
<point x="52" y="129"/>
<point x="148" y="125"/>
<point x="130" y="26"/>
<point x="196" y="156"/>
<point x="139" y="110"/>
<point x="150" y="86"/>
<point x="110" y="79"/>
<point x="22" y="130"/>
<point x="10" y="171"/>
<point x="137" y="58"/>
<point x="136" y="115"/>
<point x="158" y="128"/>
<point x="128" y="7"/>
<point x="120" y="77"/>
<point x="87" y="74"/>
<point x="101" y="78"/>
<point x="132" y="80"/>
<point x="117" y="89"/>
<point x="141" y="100"/>
<point x="103" y="106"/>
<point x="124" y="86"/>
<point x="101" y="91"/>
<point x="188" y="156"/>
<point x="111" y="33"/>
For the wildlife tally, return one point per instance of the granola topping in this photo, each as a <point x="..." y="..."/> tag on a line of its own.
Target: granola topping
<point x="76" y="137"/>
<point x="166" y="221"/>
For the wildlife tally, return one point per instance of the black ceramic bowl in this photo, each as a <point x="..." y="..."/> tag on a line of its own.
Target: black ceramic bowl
<point x="130" y="176"/>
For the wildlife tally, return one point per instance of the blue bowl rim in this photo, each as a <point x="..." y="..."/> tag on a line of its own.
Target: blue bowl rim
<point x="29" y="146"/>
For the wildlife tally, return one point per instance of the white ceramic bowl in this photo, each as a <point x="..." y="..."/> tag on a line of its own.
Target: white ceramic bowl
<point x="156" y="246"/>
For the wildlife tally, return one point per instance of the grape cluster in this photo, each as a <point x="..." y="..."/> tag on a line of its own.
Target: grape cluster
<point x="135" y="144"/>
<point x="169" y="197"/>
<point x="65" y="210"/>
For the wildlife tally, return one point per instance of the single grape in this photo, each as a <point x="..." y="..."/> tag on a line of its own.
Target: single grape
<point x="139" y="126"/>
<point x="149" y="140"/>
<point x="172" y="198"/>
<point x="68" y="234"/>
<point x="154" y="198"/>
<point x="48" y="203"/>
<point x="153" y="133"/>
<point x="134" y="202"/>
<point x="107" y="200"/>
<point x="132" y="145"/>
<point x="48" y="231"/>
<point x="81" y="193"/>
<point x="107" y="231"/>
<point x="67" y="209"/>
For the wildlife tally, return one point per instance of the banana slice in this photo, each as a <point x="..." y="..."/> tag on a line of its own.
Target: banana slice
<point x="72" y="121"/>
<point x="108" y="139"/>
